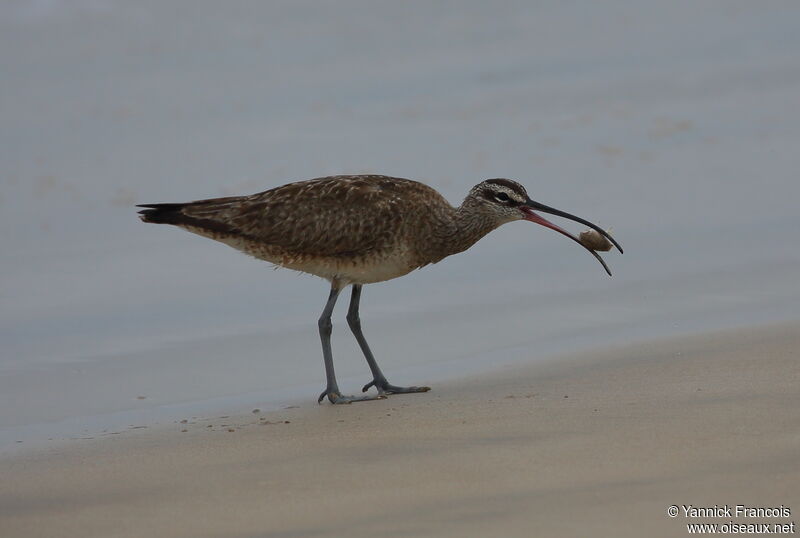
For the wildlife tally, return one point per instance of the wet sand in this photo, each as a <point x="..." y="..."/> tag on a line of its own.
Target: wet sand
<point x="598" y="444"/>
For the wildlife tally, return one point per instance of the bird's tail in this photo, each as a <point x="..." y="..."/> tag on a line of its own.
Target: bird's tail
<point x="210" y="215"/>
<point x="162" y="213"/>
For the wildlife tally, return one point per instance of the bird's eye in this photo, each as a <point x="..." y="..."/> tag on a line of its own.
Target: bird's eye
<point x="501" y="197"/>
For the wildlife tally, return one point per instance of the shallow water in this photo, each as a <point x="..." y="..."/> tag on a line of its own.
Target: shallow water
<point x="675" y="124"/>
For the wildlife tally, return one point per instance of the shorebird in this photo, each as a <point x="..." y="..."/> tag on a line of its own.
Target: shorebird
<point x="356" y="230"/>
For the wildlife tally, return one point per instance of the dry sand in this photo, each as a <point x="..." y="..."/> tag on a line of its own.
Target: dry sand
<point x="592" y="445"/>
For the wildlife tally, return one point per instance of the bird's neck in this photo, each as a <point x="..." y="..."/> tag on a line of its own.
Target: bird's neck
<point x="461" y="228"/>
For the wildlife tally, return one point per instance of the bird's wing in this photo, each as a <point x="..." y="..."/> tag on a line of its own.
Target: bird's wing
<point x="338" y="215"/>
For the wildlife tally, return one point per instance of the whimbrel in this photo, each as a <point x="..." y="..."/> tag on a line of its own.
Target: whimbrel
<point x="356" y="230"/>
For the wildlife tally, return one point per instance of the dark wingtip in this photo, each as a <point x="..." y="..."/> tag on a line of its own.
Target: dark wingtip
<point x="161" y="206"/>
<point x="159" y="213"/>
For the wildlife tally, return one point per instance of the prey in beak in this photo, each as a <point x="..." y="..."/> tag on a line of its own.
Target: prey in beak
<point x="529" y="209"/>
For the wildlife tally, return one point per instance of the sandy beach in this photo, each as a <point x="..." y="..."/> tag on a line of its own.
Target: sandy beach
<point x="596" y="444"/>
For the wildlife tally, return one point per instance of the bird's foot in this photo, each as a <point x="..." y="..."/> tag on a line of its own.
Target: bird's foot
<point x="385" y="388"/>
<point x="336" y="397"/>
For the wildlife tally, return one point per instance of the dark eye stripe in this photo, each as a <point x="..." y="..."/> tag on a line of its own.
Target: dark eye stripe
<point x="500" y="198"/>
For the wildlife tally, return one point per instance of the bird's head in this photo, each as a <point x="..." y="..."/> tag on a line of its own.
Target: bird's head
<point x="504" y="200"/>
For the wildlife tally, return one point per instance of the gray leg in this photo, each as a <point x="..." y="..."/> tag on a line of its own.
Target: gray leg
<point x="325" y="329"/>
<point x="378" y="379"/>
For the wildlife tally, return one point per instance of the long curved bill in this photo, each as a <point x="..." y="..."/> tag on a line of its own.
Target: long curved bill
<point x="529" y="214"/>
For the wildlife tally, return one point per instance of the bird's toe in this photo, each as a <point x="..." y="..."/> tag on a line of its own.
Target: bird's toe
<point x="384" y="387"/>
<point x="336" y="397"/>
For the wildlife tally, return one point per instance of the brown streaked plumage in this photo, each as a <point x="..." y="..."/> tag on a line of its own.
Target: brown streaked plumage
<point x="356" y="230"/>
